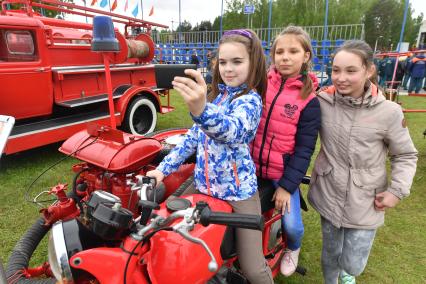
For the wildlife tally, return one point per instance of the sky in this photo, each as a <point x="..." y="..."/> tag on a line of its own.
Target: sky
<point x="166" y="12"/>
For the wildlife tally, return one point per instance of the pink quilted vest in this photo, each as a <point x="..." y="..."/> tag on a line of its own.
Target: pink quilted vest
<point x="279" y="118"/>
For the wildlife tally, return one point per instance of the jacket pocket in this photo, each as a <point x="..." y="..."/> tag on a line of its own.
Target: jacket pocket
<point x="322" y="166"/>
<point x="370" y="179"/>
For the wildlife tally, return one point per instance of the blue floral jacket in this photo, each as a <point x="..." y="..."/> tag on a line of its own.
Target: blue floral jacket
<point x="221" y="136"/>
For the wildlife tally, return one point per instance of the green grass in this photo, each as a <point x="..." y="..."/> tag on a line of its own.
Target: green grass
<point x="398" y="254"/>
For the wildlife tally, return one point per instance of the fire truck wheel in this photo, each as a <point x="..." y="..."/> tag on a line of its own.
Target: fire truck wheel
<point x="141" y="116"/>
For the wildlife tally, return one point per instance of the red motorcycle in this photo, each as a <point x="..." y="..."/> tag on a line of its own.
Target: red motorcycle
<point x="116" y="226"/>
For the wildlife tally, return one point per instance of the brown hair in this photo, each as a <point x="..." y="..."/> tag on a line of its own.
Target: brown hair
<point x="304" y="39"/>
<point x="257" y="77"/>
<point x="364" y="52"/>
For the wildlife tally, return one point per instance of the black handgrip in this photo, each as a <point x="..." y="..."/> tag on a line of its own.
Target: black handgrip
<point x="245" y="221"/>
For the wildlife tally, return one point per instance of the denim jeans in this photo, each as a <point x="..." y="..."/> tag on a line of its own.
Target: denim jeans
<point x="344" y="249"/>
<point x="292" y="224"/>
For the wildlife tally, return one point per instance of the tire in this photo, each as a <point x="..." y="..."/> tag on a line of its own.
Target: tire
<point x="141" y="116"/>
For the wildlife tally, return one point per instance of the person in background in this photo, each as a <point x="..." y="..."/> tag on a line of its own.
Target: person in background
<point x="406" y="67"/>
<point x="220" y="137"/>
<point x="194" y="59"/>
<point x="211" y="61"/>
<point x="287" y="134"/>
<point x="381" y="71"/>
<point x="328" y="63"/>
<point x="389" y="68"/>
<point x="417" y="70"/>
<point x="349" y="186"/>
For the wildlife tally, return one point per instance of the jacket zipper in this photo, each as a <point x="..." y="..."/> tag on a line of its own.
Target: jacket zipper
<point x="267" y="124"/>
<point x="206" y="154"/>
<point x="269" y="154"/>
<point x="206" y="166"/>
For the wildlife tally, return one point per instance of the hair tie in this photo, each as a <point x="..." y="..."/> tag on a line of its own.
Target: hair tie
<point x="305" y="72"/>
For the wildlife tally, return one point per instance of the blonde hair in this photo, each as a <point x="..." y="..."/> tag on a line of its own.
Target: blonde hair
<point x="303" y="37"/>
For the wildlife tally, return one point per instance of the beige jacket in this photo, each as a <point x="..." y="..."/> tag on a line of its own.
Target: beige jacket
<point x="350" y="169"/>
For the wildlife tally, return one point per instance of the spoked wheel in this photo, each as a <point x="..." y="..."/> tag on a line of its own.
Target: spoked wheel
<point x="141" y="116"/>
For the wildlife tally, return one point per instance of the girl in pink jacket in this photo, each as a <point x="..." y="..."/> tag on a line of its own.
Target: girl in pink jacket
<point x="287" y="133"/>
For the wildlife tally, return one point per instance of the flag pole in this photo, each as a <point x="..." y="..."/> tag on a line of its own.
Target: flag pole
<point x="221" y="19"/>
<point x="269" y="22"/>
<point x="180" y="23"/>
<point x="141" y="10"/>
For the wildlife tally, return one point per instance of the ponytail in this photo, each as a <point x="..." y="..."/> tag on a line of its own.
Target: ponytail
<point x="308" y="85"/>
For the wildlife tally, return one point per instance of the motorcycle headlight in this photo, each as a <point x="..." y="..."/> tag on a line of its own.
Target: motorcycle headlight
<point x="57" y="254"/>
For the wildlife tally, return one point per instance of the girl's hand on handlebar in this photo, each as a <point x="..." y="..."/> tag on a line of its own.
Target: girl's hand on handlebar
<point x="159" y="176"/>
<point x="193" y="91"/>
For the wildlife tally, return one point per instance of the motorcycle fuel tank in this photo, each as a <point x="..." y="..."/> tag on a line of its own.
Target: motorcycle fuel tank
<point x="111" y="149"/>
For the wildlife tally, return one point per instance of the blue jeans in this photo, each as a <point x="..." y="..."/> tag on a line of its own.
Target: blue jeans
<point x="292" y="224"/>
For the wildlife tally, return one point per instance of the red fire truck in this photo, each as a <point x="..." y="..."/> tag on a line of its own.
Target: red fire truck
<point x="53" y="84"/>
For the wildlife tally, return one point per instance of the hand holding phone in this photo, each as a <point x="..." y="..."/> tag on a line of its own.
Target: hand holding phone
<point x="165" y="73"/>
<point x="193" y="91"/>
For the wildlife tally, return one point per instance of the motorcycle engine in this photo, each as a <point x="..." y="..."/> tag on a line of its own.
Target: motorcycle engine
<point x="107" y="218"/>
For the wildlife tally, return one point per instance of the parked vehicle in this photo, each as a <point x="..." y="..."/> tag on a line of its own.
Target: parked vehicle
<point x="53" y="84"/>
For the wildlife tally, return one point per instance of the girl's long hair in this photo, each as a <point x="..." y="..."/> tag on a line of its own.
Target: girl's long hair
<point x="257" y="77"/>
<point x="304" y="39"/>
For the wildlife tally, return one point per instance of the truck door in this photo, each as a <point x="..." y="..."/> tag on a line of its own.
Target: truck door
<point x="25" y="83"/>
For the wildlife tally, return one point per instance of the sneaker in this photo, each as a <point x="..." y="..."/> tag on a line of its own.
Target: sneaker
<point x="345" y="278"/>
<point x="289" y="262"/>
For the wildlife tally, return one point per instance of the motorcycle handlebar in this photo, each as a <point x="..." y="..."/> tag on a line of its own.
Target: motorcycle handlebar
<point x="245" y="221"/>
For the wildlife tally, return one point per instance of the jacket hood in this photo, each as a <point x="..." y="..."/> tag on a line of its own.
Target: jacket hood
<point x="372" y="96"/>
<point x="274" y="77"/>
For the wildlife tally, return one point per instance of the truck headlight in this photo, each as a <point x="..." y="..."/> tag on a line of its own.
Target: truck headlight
<point x="57" y="254"/>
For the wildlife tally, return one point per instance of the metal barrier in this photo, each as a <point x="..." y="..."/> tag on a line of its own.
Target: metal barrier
<point x="335" y="32"/>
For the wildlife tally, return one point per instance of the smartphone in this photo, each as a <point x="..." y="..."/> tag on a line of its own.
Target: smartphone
<point x="165" y="73"/>
<point x="6" y="124"/>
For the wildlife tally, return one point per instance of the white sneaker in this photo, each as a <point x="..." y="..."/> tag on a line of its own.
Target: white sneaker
<point x="289" y="262"/>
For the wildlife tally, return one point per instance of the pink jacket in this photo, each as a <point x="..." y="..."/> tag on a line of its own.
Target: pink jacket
<point x="279" y="120"/>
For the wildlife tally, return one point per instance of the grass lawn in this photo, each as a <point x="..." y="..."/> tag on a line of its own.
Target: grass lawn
<point x="398" y="254"/>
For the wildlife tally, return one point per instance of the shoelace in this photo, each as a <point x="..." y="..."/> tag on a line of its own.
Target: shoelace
<point x="347" y="279"/>
<point x="288" y="258"/>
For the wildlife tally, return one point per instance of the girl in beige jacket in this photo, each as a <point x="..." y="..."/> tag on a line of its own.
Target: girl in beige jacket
<point x="349" y="186"/>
